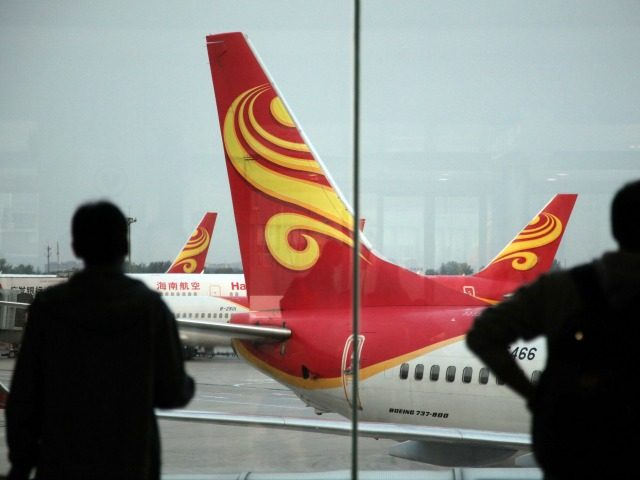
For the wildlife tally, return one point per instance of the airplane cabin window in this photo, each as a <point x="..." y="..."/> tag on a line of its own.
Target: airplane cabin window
<point x="467" y="372"/>
<point x="434" y="373"/>
<point x="419" y="372"/>
<point x="451" y="374"/>
<point x="404" y="371"/>
<point x="483" y="377"/>
<point x="499" y="381"/>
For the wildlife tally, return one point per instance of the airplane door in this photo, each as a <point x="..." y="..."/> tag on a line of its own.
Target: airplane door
<point x="347" y="367"/>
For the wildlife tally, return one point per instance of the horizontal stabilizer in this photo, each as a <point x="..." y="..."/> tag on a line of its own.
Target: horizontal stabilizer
<point x="254" y="333"/>
<point x="14" y="304"/>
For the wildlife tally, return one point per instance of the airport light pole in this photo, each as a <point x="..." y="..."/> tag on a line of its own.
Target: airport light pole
<point x="130" y="220"/>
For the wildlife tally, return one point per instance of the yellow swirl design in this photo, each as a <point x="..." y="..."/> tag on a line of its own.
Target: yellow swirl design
<point x="281" y="114"/>
<point x="277" y="233"/>
<point x="542" y="231"/>
<point x="241" y="128"/>
<point x="188" y="265"/>
<point x="198" y="243"/>
<point x="262" y="150"/>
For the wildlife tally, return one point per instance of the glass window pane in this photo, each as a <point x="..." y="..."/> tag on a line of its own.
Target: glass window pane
<point x="473" y="116"/>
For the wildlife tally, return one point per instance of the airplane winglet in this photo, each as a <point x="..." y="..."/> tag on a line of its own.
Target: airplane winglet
<point x="533" y="250"/>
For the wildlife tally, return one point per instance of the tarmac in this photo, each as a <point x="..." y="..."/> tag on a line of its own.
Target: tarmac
<point x="226" y="384"/>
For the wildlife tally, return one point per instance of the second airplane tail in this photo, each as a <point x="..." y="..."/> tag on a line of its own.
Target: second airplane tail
<point x="533" y="250"/>
<point x="192" y="257"/>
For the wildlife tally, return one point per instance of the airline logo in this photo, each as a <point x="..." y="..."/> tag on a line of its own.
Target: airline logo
<point x="543" y="230"/>
<point x="281" y="166"/>
<point x="187" y="260"/>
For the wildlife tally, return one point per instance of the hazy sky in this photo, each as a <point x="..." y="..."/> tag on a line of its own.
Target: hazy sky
<point x="474" y="115"/>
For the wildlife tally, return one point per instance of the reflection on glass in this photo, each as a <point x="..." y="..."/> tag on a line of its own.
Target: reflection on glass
<point x="473" y="118"/>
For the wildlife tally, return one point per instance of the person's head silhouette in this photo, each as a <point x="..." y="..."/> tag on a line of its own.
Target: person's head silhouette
<point x="625" y="217"/>
<point x="99" y="232"/>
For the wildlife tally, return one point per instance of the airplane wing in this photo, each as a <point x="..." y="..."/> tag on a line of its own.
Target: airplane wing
<point x="506" y="442"/>
<point x="394" y="431"/>
<point x="255" y="333"/>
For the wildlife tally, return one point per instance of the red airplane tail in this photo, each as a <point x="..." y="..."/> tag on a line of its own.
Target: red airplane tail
<point x="193" y="255"/>
<point x="532" y="251"/>
<point x="294" y="227"/>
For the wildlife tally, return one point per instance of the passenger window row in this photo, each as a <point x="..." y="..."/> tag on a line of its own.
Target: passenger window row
<point x="450" y="374"/>
<point x="178" y="294"/>
<point x="203" y="315"/>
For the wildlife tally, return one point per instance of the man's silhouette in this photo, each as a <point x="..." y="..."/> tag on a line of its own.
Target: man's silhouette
<point x="584" y="413"/>
<point x="99" y="353"/>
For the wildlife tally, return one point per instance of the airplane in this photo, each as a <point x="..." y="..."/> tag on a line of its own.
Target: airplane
<point x="194" y="297"/>
<point x="191" y="258"/>
<point x="418" y="383"/>
<point x="179" y="279"/>
<point x="197" y="298"/>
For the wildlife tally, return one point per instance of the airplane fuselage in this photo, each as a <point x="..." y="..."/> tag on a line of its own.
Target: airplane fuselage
<point x="188" y="284"/>
<point x="414" y="367"/>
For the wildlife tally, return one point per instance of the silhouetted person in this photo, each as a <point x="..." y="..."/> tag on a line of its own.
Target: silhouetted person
<point x="584" y="413"/>
<point x="99" y="353"/>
